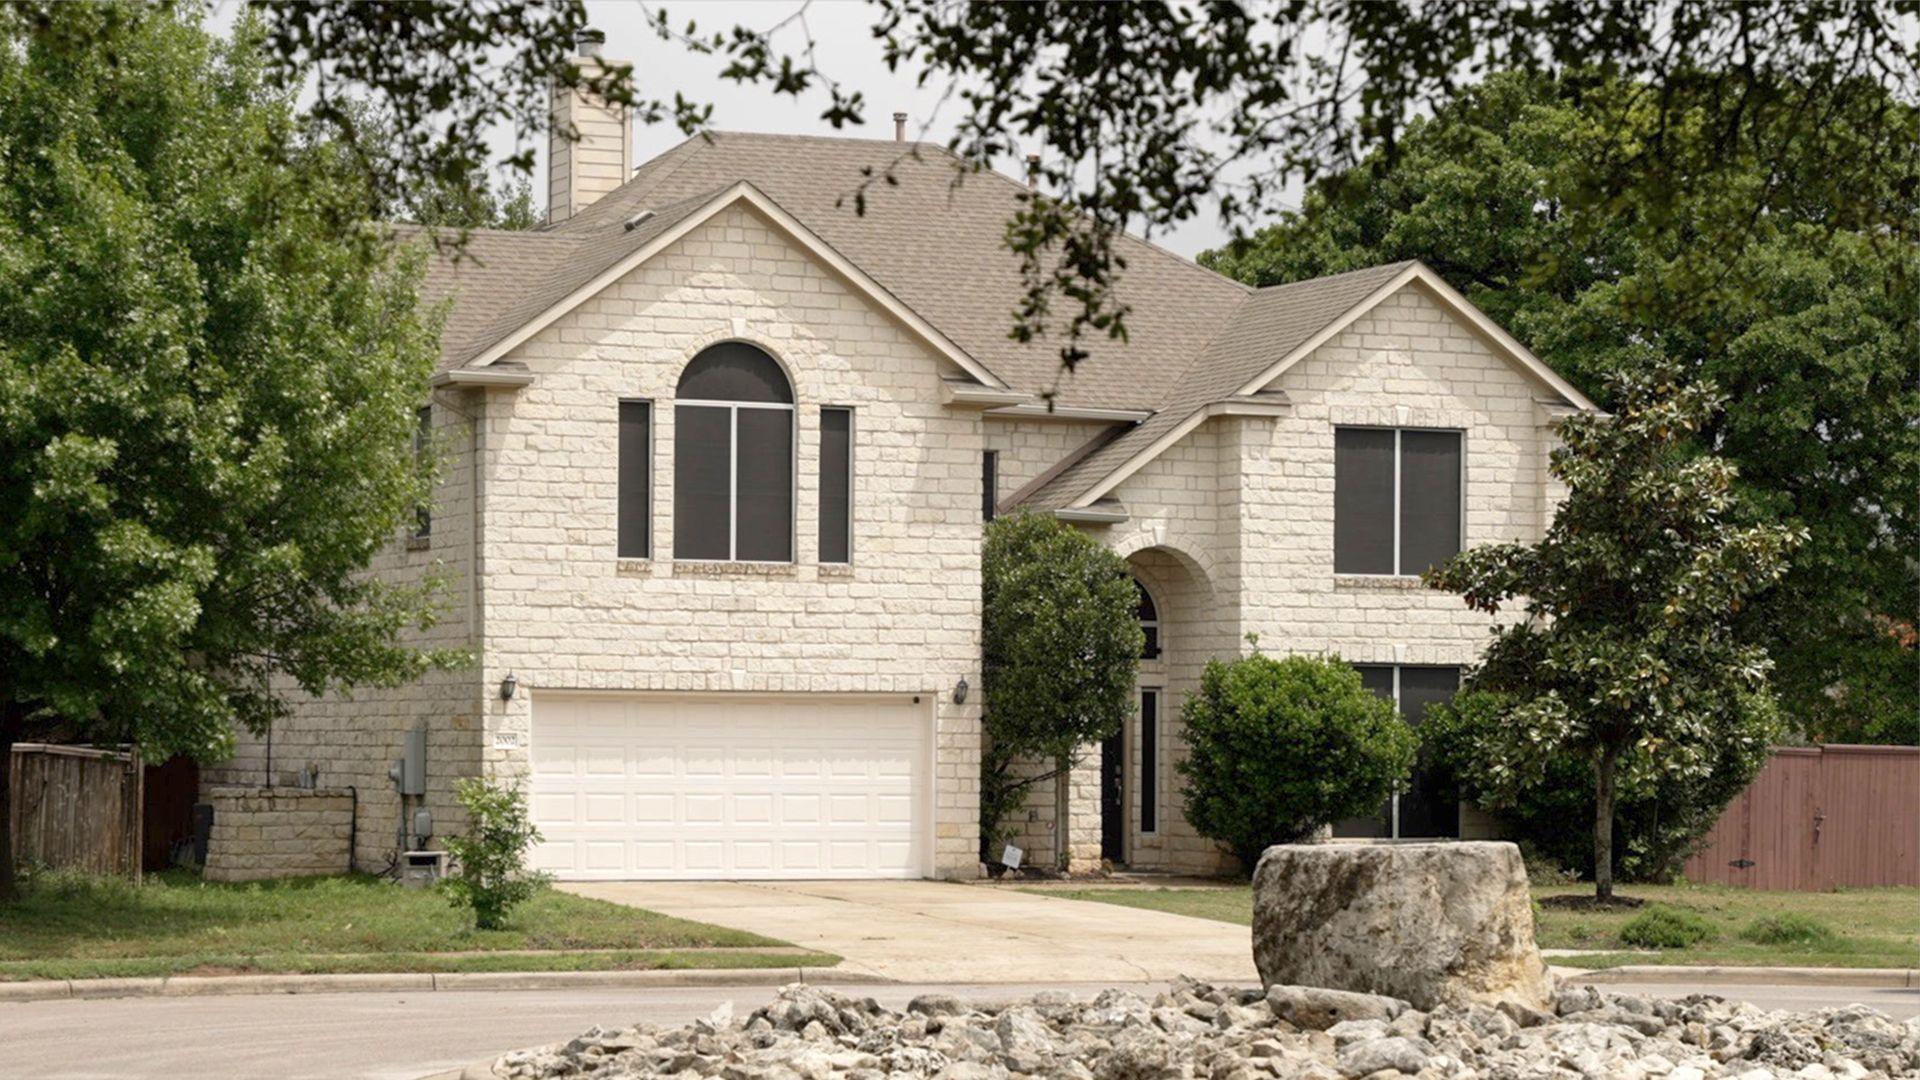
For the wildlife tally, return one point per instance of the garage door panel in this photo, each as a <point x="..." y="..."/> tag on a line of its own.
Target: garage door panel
<point x="675" y="788"/>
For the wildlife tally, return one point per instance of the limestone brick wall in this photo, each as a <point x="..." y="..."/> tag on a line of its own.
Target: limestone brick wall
<point x="350" y="740"/>
<point x="563" y="613"/>
<point x="1029" y="447"/>
<point x="277" y="832"/>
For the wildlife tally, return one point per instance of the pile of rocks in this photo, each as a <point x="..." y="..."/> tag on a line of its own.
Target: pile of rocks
<point x="1195" y="1030"/>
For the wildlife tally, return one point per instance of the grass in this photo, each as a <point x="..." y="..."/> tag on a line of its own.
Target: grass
<point x="1865" y="927"/>
<point x="70" y="927"/>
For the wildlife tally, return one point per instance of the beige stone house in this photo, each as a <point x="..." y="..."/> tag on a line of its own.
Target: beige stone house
<point x="720" y="450"/>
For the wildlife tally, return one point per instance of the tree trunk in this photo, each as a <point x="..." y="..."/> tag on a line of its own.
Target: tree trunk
<point x="1603" y="825"/>
<point x="9" y="733"/>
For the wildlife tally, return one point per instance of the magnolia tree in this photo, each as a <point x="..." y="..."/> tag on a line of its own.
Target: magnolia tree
<point x="1062" y="644"/>
<point x="1629" y="654"/>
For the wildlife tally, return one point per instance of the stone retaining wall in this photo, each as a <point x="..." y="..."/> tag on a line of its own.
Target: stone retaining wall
<point x="277" y="832"/>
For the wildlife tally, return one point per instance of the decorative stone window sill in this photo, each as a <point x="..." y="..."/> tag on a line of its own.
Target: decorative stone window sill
<point x="1377" y="581"/>
<point x="835" y="571"/>
<point x="734" y="569"/>
<point x="633" y="567"/>
<point x="419" y="543"/>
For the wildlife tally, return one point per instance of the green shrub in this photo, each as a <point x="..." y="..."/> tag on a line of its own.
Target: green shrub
<point x="1280" y="747"/>
<point x="489" y="873"/>
<point x="1788" y="928"/>
<point x="1663" y="927"/>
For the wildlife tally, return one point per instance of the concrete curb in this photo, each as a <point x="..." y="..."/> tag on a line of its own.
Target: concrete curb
<point x="421" y="982"/>
<point x="1875" y="978"/>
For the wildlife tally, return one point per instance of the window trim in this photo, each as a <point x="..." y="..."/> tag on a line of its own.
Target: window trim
<point x="1460" y="541"/>
<point x="853" y="427"/>
<point x="733" y="476"/>
<point x="646" y="472"/>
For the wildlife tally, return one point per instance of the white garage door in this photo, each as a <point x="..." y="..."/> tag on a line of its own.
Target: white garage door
<point x="807" y="787"/>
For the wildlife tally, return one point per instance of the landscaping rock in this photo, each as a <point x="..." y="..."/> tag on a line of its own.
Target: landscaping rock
<point x="1318" y="1009"/>
<point x="1430" y="924"/>
<point x="807" y="1033"/>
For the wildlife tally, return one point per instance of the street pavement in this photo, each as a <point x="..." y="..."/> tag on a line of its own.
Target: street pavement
<point x="370" y="1036"/>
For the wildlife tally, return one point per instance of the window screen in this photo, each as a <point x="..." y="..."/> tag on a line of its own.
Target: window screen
<point x="1149" y="617"/>
<point x="836" y="485"/>
<point x="422" y="446"/>
<point x="1149" y="761"/>
<point x="989" y="484"/>
<point x="1362" y="501"/>
<point x="1422" y="807"/>
<point x="702" y="482"/>
<point x="1396" y="499"/>
<point x="636" y="482"/>
<point x="763" y="485"/>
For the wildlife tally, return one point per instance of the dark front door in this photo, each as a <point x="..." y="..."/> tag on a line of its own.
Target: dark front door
<point x="1113" y="811"/>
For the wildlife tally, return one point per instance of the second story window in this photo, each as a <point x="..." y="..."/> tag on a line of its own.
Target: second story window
<point x="989" y="484"/>
<point x="733" y="457"/>
<point x="422" y="447"/>
<point x="634" y="511"/>
<point x="1396" y="499"/>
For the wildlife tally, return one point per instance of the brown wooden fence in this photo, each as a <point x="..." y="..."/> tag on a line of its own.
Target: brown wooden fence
<point x="1819" y="818"/>
<point x="77" y="807"/>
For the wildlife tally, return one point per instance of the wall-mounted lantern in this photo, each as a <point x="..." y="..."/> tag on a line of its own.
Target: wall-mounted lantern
<point x="508" y="685"/>
<point x="960" y="691"/>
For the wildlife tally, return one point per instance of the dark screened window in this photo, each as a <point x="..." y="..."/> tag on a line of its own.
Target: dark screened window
<point x="733" y="457"/>
<point x="422" y="447"/>
<point x="1149" y="622"/>
<point x="836" y="485"/>
<point x="1396" y="499"/>
<point x="989" y="484"/>
<point x="1421" y="809"/>
<point x="635" y="510"/>
<point x="1149" y="761"/>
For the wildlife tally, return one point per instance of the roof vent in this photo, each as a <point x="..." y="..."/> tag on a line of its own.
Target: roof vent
<point x="899" y="127"/>
<point x="638" y="220"/>
<point x="588" y="41"/>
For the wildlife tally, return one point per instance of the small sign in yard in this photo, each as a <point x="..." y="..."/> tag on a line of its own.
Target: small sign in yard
<point x="1012" y="856"/>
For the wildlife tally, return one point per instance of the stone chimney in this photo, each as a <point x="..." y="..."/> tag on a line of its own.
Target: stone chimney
<point x="600" y="159"/>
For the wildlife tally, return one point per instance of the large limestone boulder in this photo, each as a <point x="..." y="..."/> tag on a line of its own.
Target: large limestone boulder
<point x="1430" y="924"/>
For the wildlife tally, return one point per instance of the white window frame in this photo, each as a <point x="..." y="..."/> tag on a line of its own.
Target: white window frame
<point x="1460" y="541"/>
<point x="733" y="476"/>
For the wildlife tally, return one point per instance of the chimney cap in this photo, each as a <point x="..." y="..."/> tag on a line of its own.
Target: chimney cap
<point x="587" y="41"/>
<point x="900" y="127"/>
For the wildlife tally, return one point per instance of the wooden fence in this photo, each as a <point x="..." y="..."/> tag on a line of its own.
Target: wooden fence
<point x="78" y="807"/>
<point x="1818" y="818"/>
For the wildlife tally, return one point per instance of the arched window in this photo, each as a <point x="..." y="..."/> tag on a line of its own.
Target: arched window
<point x="733" y="457"/>
<point x="1149" y="622"/>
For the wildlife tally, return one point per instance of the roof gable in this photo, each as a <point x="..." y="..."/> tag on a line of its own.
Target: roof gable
<point x="602" y="258"/>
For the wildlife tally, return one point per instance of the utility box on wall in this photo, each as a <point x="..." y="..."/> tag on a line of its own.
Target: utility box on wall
<point x="410" y="772"/>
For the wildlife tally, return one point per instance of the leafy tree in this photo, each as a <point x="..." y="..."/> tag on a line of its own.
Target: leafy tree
<point x="207" y="393"/>
<point x="1629" y="654"/>
<point x="1659" y="816"/>
<point x="1811" y="327"/>
<point x="1279" y="747"/>
<point x="1149" y="114"/>
<point x="490" y="875"/>
<point x="1062" y="645"/>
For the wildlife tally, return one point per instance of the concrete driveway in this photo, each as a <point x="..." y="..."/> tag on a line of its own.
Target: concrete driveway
<point x="929" y="931"/>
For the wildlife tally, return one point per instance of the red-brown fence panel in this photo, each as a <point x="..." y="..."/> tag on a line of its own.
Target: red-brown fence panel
<point x="1822" y="817"/>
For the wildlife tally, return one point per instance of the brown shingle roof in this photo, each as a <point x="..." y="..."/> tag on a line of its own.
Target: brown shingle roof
<point x="935" y="241"/>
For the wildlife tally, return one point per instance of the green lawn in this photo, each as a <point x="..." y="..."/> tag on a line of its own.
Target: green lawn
<point x="71" y="927"/>
<point x="1872" y="927"/>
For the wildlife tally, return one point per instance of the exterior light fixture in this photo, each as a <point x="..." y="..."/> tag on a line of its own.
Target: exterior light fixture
<point x="508" y="685"/>
<point x="960" y="691"/>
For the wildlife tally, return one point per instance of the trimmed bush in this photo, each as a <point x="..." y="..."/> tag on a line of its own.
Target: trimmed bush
<point x="1788" y="928"/>
<point x="1280" y="747"/>
<point x="1663" y="927"/>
